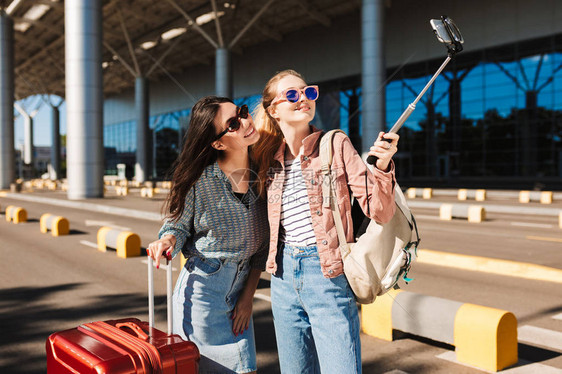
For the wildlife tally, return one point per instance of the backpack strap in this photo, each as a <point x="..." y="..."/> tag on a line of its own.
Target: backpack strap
<point x="326" y="156"/>
<point x="401" y="204"/>
<point x="328" y="193"/>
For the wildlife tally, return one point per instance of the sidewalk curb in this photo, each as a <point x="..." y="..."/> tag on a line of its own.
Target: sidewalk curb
<point x="133" y="213"/>
<point x="490" y="265"/>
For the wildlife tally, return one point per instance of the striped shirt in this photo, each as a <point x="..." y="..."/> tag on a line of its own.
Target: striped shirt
<point x="217" y="224"/>
<point x="296" y="223"/>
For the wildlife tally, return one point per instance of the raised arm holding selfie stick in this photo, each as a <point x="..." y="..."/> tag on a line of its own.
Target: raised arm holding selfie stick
<point x="448" y="34"/>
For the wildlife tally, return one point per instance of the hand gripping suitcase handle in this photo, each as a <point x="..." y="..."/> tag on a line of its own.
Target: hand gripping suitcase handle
<point x="168" y="293"/>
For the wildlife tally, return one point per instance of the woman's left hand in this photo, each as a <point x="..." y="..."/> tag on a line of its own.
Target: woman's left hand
<point x="241" y="314"/>
<point x="384" y="150"/>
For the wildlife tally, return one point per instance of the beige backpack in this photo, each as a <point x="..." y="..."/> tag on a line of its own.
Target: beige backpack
<point x="374" y="264"/>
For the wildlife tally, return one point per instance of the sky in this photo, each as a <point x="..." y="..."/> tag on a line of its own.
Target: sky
<point x="42" y="121"/>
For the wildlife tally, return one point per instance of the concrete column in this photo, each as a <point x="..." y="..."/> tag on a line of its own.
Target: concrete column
<point x="28" y="140"/>
<point x="223" y="78"/>
<point x="141" y="107"/>
<point x="7" y="168"/>
<point x="84" y="98"/>
<point x="55" y="143"/>
<point x="373" y="71"/>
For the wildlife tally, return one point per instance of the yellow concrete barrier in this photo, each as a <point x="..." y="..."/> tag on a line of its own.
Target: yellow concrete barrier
<point x="126" y="243"/>
<point x="37" y="183"/>
<point x="425" y="193"/>
<point x="19" y="215"/>
<point x="474" y="213"/>
<point x="9" y="213"/>
<point x="28" y="186"/>
<point x="57" y="224"/>
<point x="376" y="318"/>
<point x="16" y="214"/>
<point x="102" y="247"/>
<point x="446" y="212"/>
<point x="51" y="185"/>
<point x="122" y="190"/>
<point x="544" y="197"/>
<point x="483" y="337"/>
<point x="465" y="194"/>
<point x="16" y="187"/>
<point x="147" y="192"/>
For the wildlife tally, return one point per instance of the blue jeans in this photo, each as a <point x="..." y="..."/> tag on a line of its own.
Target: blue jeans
<point x="316" y="318"/>
<point x="205" y="295"/>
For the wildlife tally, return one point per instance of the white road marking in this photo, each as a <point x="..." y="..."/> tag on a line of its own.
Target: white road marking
<point x="162" y="265"/>
<point x="89" y="244"/>
<point x="528" y="224"/>
<point x="522" y="367"/>
<point x="396" y="371"/>
<point x="106" y="223"/>
<point x="558" y="316"/>
<point x="544" y="238"/>
<point x="539" y="336"/>
<point x="262" y="297"/>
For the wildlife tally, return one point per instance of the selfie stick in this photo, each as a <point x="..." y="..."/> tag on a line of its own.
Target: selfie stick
<point x="452" y="50"/>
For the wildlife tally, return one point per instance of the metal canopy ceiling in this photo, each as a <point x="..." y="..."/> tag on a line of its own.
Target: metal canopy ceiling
<point x="127" y="24"/>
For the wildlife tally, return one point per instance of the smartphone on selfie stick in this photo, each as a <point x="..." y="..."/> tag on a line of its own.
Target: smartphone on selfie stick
<point x="447" y="33"/>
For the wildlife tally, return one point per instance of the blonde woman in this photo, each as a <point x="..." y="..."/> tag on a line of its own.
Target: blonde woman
<point x="315" y="313"/>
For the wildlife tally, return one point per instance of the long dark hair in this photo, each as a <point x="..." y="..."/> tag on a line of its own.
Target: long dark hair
<point x="196" y="154"/>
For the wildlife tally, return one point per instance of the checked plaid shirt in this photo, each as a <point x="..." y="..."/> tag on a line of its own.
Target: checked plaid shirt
<point x="216" y="224"/>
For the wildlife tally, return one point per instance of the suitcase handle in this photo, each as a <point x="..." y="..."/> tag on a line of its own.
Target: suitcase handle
<point x="136" y="329"/>
<point x="169" y="292"/>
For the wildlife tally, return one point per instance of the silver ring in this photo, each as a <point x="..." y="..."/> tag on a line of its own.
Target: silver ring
<point x="388" y="146"/>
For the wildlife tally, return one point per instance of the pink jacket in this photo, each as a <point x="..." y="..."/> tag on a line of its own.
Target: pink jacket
<point x="350" y="171"/>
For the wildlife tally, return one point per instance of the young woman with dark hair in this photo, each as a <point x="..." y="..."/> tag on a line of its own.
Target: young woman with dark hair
<point x="314" y="310"/>
<point x="216" y="218"/>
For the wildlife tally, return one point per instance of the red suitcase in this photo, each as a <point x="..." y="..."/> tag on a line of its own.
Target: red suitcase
<point x="123" y="346"/>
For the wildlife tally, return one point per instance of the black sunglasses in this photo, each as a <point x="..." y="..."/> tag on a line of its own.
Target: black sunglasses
<point x="234" y="122"/>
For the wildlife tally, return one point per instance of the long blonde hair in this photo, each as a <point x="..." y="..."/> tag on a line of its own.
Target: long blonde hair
<point x="271" y="136"/>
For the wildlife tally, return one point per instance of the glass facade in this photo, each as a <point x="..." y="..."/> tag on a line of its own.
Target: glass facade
<point x="166" y="133"/>
<point x="493" y="117"/>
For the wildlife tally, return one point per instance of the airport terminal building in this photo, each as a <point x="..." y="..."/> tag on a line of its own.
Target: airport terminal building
<point x="130" y="71"/>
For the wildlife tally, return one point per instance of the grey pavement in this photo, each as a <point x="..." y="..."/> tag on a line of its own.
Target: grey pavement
<point x="58" y="283"/>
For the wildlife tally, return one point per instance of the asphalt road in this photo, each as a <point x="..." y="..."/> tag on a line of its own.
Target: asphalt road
<point x="50" y="283"/>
